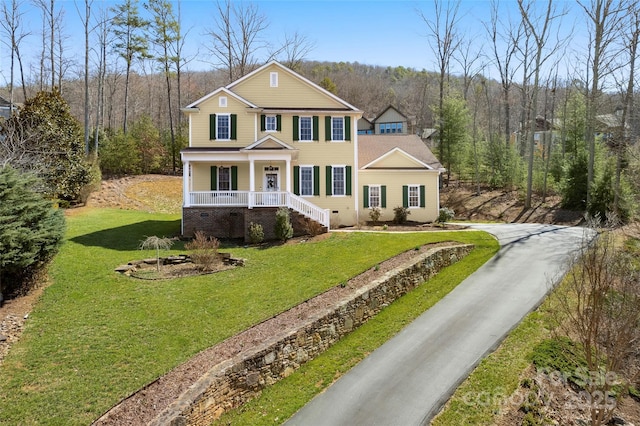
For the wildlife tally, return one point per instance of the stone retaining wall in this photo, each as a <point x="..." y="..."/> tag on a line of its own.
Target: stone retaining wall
<point x="235" y="381"/>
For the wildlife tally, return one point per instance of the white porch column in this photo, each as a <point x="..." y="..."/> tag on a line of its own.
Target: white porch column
<point x="289" y="172"/>
<point x="252" y="175"/>
<point x="186" y="183"/>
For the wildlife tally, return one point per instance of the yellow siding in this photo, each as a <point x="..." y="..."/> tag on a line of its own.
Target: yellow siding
<point x="201" y="175"/>
<point x="200" y="122"/>
<point x="394" y="180"/>
<point x="290" y="93"/>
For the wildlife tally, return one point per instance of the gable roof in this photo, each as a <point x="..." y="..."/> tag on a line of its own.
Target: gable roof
<point x="224" y="90"/>
<point x="296" y="76"/>
<point x="269" y="142"/>
<point x="374" y="147"/>
<point x="390" y="107"/>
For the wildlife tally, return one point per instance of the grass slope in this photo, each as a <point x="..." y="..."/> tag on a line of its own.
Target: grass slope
<point x="96" y="336"/>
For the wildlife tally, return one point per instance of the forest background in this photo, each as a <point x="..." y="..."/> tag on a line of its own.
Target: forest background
<point x="527" y="99"/>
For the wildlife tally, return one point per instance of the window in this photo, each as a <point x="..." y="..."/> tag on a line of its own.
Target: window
<point x="374" y="196"/>
<point x="337" y="128"/>
<point x="223" y="126"/>
<point x="222" y="101"/>
<point x="338" y="180"/>
<point x="306" y="129"/>
<point x="414" y="196"/>
<point x="273" y="79"/>
<point x="270" y="123"/>
<point x="306" y="180"/>
<point x="224" y="178"/>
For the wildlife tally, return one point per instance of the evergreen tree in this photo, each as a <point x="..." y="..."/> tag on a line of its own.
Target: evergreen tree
<point x="453" y="132"/>
<point x="31" y="230"/>
<point x="44" y="138"/>
<point x="283" y="228"/>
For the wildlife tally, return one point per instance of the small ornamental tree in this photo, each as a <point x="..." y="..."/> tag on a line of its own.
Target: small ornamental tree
<point x="284" y="229"/>
<point x="31" y="230"/>
<point x="157" y="244"/>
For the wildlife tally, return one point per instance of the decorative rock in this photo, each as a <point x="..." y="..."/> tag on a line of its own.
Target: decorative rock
<point x="124" y="268"/>
<point x="3" y="338"/>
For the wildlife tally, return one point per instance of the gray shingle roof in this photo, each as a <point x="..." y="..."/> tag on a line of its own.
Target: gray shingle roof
<point x="372" y="147"/>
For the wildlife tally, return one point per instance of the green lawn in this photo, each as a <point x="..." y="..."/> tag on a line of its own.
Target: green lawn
<point x="96" y="336"/>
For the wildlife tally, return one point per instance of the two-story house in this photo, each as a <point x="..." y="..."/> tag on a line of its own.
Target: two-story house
<point x="273" y="138"/>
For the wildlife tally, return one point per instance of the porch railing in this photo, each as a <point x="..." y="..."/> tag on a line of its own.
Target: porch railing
<point x="251" y="199"/>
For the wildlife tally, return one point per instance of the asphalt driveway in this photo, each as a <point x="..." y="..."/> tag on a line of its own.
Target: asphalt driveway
<point x="407" y="380"/>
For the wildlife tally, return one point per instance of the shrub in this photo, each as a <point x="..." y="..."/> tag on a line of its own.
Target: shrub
<point x="374" y="214"/>
<point x="312" y="227"/>
<point x="445" y="214"/>
<point x="31" y="230"/>
<point x="400" y="214"/>
<point x="256" y="233"/>
<point x="283" y="228"/>
<point x="203" y="251"/>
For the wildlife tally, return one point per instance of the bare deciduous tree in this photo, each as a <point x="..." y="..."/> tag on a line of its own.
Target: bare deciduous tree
<point x="237" y="37"/>
<point x="599" y="307"/>
<point x="11" y="23"/>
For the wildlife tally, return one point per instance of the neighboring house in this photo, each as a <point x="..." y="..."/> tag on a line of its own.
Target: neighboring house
<point x="609" y="127"/>
<point x="399" y="170"/>
<point x="365" y="127"/>
<point x="546" y="131"/>
<point x="274" y="138"/>
<point x="390" y="121"/>
<point x="5" y="108"/>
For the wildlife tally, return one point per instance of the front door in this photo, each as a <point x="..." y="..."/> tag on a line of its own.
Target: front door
<point x="271" y="179"/>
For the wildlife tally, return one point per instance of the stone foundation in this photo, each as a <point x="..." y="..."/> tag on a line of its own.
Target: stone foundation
<point x="235" y="381"/>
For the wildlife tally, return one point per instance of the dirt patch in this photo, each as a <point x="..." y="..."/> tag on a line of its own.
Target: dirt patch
<point x="506" y="206"/>
<point x="550" y="397"/>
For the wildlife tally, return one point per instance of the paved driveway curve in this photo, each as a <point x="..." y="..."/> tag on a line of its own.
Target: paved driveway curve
<point x="408" y="379"/>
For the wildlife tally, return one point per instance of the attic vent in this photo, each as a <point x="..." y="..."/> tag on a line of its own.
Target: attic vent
<point x="222" y="101"/>
<point x="274" y="79"/>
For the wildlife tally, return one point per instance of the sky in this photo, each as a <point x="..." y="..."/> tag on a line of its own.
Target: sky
<point x="373" y="32"/>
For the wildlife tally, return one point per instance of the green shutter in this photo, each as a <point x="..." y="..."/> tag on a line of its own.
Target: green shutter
<point x="234" y="126"/>
<point x="365" y="196"/>
<point x="234" y="178"/>
<point x="296" y="128"/>
<point x="348" y="179"/>
<point x="315" y="129"/>
<point x="212" y="126"/>
<point x="327" y="128"/>
<point x="383" y="196"/>
<point x="405" y="196"/>
<point x="214" y="178"/>
<point x="347" y="128"/>
<point x="279" y="123"/>
<point x="263" y="125"/>
<point x="316" y="180"/>
<point x="422" y="203"/>
<point x="296" y="180"/>
<point x="329" y="189"/>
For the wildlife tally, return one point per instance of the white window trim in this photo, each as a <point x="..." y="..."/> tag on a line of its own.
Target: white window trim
<point x="417" y="187"/>
<point x="222" y="101"/>
<point x="300" y="128"/>
<point x="275" y="123"/>
<point x="344" y="181"/>
<point x="273" y="79"/>
<point x="379" y="206"/>
<point x="343" y="129"/>
<point x="307" y="166"/>
<point x="218" y="178"/>
<point x="218" y="116"/>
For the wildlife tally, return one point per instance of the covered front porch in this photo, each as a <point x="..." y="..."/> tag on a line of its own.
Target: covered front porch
<point x="226" y="181"/>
